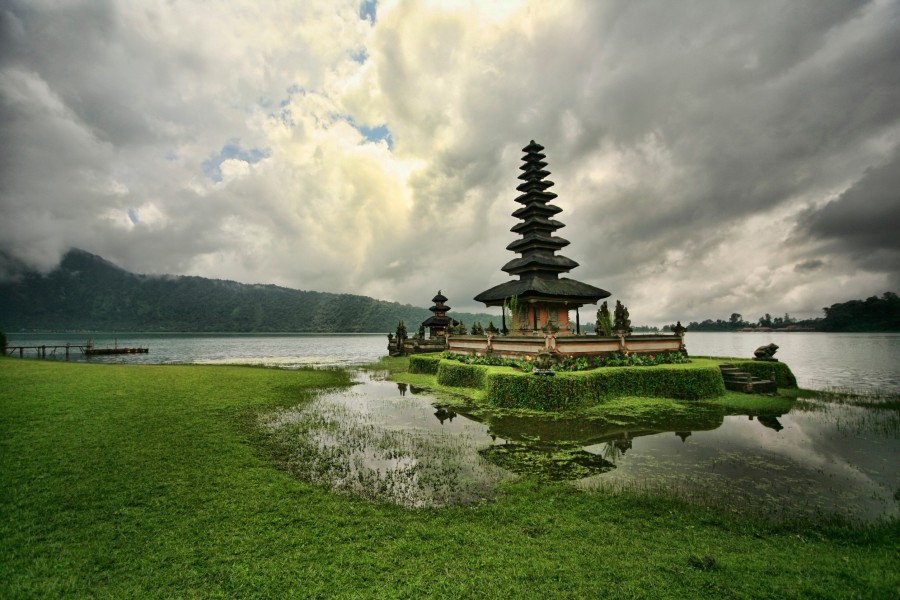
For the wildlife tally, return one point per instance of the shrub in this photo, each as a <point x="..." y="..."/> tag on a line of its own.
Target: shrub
<point x="513" y="390"/>
<point x="490" y="360"/>
<point x="459" y="375"/>
<point x="575" y="363"/>
<point x="427" y="365"/>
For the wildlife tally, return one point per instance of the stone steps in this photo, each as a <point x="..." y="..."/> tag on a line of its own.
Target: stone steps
<point x="742" y="381"/>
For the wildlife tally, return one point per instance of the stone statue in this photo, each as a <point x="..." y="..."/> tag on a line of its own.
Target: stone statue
<point x="765" y="353"/>
<point x="543" y="363"/>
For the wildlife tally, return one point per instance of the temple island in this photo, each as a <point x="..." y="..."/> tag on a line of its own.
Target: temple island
<point x="536" y="306"/>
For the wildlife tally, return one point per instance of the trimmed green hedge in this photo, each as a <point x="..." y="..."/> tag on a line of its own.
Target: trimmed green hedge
<point x="427" y="364"/>
<point x="568" y="391"/>
<point x="784" y="377"/>
<point x="576" y="390"/>
<point x="456" y="374"/>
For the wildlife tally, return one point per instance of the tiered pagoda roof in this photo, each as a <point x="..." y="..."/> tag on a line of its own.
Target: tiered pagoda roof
<point x="538" y="266"/>
<point x="439" y="318"/>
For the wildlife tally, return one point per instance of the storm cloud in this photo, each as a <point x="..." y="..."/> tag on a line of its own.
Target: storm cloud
<point x="709" y="157"/>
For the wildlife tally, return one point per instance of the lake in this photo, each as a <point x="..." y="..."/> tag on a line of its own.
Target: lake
<point x="822" y="361"/>
<point x="390" y="441"/>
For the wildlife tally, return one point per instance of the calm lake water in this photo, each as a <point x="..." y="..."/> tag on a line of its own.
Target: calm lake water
<point x="390" y="441"/>
<point x="854" y="361"/>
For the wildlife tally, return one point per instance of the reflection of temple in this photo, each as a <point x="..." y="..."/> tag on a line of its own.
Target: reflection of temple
<point x="572" y="448"/>
<point x="544" y="299"/>
<point x="770" y="422"/>
<point x="624" y="444"/>
<point x="443" y="414"/>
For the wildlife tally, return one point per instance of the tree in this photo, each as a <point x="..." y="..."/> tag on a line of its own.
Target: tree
<point x="622" y="321"/>
<point x="873" y="314"/>
<point x="511" y="314"/>
<point x="604" y="320"/>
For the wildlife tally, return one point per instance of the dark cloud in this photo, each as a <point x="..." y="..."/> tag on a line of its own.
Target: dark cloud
<point x="812" y="264"/>
<point x="865" y="218"/>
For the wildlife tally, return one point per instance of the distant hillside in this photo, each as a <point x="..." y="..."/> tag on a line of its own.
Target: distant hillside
<point x="873" y="314"/>
<point x="87" y="292"/>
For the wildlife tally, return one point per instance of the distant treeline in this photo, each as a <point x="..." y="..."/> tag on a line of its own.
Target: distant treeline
<point x="88" y="293"/>
<point x="871" y="314"/>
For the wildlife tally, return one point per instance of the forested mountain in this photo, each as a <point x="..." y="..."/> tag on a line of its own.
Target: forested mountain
<point x="88" y="293"/>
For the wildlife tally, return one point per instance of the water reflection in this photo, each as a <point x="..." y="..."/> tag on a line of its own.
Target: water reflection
<point x="385" y="441"/>
<point x="393" y="442"/>
<point x="443" y="414"/>
<point x="833" y="460"/>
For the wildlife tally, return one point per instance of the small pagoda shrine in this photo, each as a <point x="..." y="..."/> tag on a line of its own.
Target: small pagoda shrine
<point x="438" y="323"/>
<point x="540" y="300"/>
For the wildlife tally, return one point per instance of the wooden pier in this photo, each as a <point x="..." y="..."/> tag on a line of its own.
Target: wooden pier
<point x="88" y="349"/>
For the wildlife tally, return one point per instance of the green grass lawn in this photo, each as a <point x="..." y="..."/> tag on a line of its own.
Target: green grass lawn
<point x="149" y="482"/>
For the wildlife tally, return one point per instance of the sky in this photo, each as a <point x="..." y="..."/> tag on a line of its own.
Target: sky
<point x="710" y="157"/>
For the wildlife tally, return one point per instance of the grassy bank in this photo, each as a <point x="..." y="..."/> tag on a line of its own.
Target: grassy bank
<point x="145" y="481"/>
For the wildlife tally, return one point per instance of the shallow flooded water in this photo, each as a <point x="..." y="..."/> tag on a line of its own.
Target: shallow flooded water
<point x="820" y="458"/>
<point x="388" y="441"/>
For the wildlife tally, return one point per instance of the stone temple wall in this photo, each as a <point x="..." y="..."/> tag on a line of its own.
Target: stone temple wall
<point x="583" y="345"/>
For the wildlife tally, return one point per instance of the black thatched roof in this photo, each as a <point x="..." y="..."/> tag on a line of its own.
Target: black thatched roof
<point x="436" y="321"/>
<point x="538" y="265"/>
<point x="575" y="292"/>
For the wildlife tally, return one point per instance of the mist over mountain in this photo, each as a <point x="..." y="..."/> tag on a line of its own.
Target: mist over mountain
<point x="86" y="292"/>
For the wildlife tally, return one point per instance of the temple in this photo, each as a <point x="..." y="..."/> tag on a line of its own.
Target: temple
<point x="540" y="300"/>
<point x="438" y="323"/>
